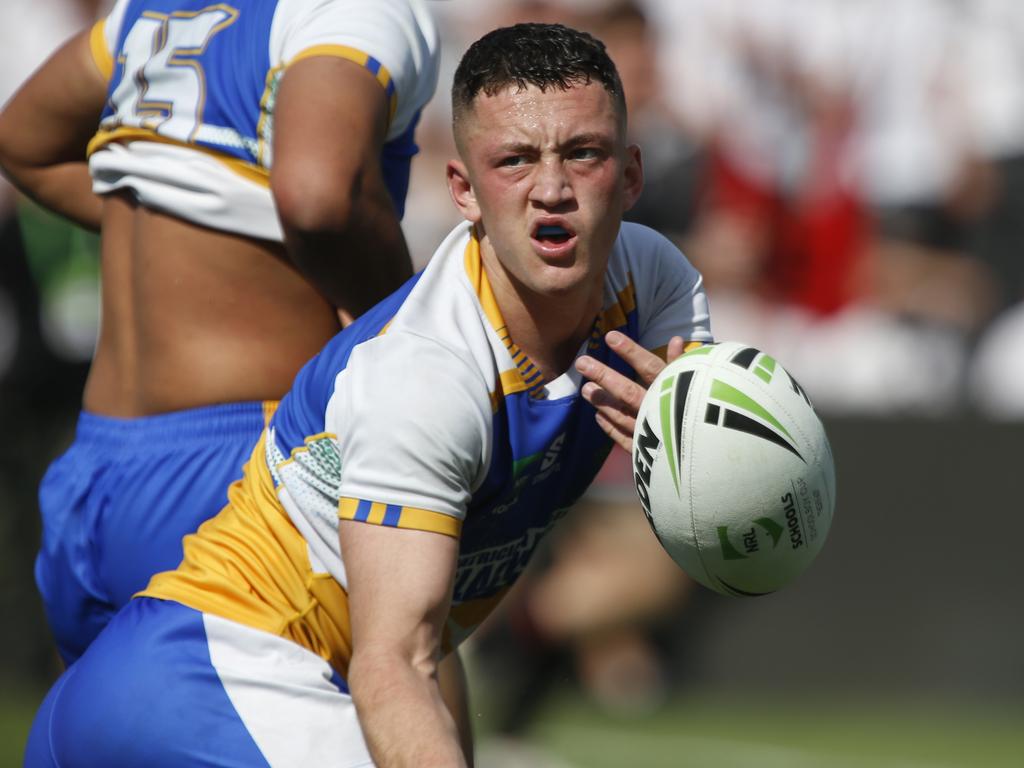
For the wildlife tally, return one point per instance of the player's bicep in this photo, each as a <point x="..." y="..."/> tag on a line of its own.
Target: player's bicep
<point x="54" y="114"/>
<point x="329" y="125"/>
<point x="399" y="589"/>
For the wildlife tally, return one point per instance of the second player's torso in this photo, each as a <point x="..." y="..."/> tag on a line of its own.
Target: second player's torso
<point x="200" y="303"/>
<point x="192" y="316"/>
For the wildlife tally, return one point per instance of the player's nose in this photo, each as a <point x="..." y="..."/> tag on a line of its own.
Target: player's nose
<point x="551" y="185"/>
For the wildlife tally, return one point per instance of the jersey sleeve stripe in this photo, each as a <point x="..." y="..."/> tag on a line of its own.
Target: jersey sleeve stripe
<point x="395" y="516"/>
<point x="98" y="48"/>
<point x="362" y="511"/>
<point x="392" y="516"/>
<point x="371" y="64"/>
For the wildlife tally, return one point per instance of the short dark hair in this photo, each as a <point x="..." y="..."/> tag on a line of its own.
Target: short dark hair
<point x="542" y="55"/>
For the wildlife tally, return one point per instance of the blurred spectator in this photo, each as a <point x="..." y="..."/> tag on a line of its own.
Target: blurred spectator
<point x="673" y="161"/>
<point x="775" y="124"/>
<point x="912" y="156"/>
<point x="994" y="68"/>
<point x="993" y="63"/>
<point x="843" y="187"/>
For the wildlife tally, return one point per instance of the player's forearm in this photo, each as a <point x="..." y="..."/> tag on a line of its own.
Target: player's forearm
<point x="402" y="713"/>
<point x="45" y="129"/>
<point x="451" y="676"/>
<point x="64" y="188"/>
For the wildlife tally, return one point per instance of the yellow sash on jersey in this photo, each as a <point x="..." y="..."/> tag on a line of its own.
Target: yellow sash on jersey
<point x="249" y="564"/>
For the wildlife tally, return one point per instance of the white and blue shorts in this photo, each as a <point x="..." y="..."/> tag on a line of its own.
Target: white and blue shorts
<point x="166" y="685"/>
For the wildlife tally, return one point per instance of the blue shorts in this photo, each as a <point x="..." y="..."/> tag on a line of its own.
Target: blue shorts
<point x="116" y="505"/>
<point x="166" y="685"/>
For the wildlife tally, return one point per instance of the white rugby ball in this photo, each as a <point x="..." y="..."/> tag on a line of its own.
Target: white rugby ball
<point x="733" y="469"/>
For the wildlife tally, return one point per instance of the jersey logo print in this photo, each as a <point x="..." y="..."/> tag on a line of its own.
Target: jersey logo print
<point x="163" y="86"/>
<point x="552" y="454"/>
<point x="484" y="572"/>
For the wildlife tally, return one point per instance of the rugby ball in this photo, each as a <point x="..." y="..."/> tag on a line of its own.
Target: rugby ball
<point x="733" y="469"/>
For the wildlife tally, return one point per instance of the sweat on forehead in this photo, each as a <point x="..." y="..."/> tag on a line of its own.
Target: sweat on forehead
<point x="542" y="55"/>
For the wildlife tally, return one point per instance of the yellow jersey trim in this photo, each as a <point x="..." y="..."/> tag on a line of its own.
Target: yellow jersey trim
<point x="525" y="377"/>
<point x="269" y="409"/>
<point x="261" y="124"/>
<point x="126" y="134"/>
<point x="478" y="279"/>
<point x="362" y="59"/>
<point x="662" y="351"/>
<point x="98" y="47"/>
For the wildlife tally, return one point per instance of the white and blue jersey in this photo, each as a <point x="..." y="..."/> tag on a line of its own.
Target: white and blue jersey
<point x="189" y="120"/>
<point x="424" y="414"/>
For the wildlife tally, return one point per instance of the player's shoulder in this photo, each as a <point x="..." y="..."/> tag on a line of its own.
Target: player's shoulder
<point x="405" y="381"/>
<point x="355" y="10"/>
<point x="435" y="338"/>
<point x="386" y="30"/>
<point x="640" y="240"/>
<point x="396" y="40"/>
<point x="648" y="257"/>
<point x="416" y="355"/>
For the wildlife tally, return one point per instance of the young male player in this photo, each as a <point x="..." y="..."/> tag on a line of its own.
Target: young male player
<point x="404" y="481"/>
<point x="248" y="174"/>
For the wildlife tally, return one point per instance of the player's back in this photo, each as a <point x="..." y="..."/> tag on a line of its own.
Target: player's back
<point x="201" y="304"/>
<point x="193" y="316"/>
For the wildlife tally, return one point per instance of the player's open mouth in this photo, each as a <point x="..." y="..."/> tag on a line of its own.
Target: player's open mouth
<point x="553" y="239"/>
<point x="552" y="233"/>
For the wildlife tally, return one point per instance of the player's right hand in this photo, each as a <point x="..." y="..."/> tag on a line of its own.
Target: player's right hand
<point x="616" y="397"/>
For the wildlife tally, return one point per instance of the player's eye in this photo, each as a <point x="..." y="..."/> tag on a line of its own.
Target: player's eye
<point x="585" y="153"/>
<point x="512" y="161"/>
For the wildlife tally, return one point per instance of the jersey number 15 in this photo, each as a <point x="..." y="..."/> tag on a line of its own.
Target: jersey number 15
<point x="163" y="87"/>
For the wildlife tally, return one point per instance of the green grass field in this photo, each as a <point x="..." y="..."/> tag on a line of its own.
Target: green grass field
<point x="16" y="710"/>
<point x="719" y="732"/>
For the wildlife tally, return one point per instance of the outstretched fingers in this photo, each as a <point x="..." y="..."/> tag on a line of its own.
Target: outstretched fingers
<point x="611" y="415"/>
<point x="646" y="364"/>
<point x="617" y="398"/>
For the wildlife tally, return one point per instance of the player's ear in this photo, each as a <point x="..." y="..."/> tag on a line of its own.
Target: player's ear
<point x="633" y="173"/>
<point x="461" y="190"/>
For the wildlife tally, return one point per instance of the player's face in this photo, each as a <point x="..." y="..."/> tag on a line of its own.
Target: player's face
<point x="546" y="176"/>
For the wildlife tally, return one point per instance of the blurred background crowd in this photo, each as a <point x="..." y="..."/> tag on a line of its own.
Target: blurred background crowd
<point x="848" y="177"/>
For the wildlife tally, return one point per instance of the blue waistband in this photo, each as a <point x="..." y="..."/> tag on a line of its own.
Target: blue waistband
<point x="211" y="423"/>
